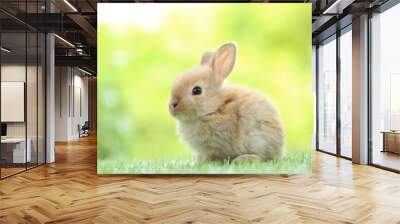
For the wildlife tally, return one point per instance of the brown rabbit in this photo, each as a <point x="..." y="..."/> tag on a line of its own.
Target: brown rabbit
<point x="221" y="122"/>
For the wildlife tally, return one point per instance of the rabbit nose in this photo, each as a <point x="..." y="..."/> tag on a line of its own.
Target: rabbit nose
<point x="174" y="104"/>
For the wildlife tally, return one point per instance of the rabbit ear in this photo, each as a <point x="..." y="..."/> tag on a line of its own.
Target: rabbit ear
<point x="206" y="59"/>
<point x="224" y="60"/>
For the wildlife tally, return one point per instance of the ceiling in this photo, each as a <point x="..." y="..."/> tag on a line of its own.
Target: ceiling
<point x="76" y="22"/>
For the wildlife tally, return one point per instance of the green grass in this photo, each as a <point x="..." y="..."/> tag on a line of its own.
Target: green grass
<point x="294" y="163"/>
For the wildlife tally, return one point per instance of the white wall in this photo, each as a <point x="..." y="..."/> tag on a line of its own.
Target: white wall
<point x="80" y="89"/>
<point x="13" y="101"/>
<point x="34" y="126"/>
<point x="62" y="81"/>
<point x="12" y="73"/>
<point x="71" y="93"/>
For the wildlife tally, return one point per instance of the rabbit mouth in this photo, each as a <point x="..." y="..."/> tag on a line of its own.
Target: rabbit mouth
<point x="173" y="112"/>
<point x="182" y="116"/>
<point x="176" y="113"/>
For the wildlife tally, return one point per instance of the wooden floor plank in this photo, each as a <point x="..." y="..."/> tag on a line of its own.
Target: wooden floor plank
<point x="70" y="191"/>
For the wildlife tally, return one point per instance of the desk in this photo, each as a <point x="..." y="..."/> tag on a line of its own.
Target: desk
<point x="15" y="148"/>
<point x="391" y="141"/>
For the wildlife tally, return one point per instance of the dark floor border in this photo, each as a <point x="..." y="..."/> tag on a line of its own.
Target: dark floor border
<point x="28" y="168"/>
<point x="385" y="168"/>
<point x="333" y="154"/>
<point x="370" y="164"/>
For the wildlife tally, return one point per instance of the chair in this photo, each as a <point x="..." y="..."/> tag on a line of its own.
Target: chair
<point x="84" y="130"/>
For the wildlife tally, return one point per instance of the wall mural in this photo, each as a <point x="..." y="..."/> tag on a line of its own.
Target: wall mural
<point x="204" y="88"/>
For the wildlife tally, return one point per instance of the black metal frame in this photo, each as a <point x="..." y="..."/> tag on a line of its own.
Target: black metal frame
<point x="338" y="98"/>
<point x="316" y="97"/>
<point x="369" y="90"/>
<point x="44" y="70"/>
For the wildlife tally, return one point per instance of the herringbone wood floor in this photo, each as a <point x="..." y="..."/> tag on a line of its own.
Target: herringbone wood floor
<point x="70" y="191"/>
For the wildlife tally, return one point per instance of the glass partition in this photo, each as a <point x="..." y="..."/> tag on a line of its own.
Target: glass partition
<point x="32" y="96"/>
<point x="346" y="93"/>
<point x="385" y="89"/>
<point x="32" y="84"/>
<point x="22" y="77"/>
<point x="15" y="152"/>
<point x="327" y="95"/>
<point x="41" y="107"/>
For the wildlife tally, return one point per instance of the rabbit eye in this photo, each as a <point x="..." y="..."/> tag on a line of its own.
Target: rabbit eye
<point x="196" y="90"/>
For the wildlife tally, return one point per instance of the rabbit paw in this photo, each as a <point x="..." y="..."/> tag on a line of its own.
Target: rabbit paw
<point x="246" y="158"/>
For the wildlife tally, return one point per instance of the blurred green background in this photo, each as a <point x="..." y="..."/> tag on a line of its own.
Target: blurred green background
<point x="143" y="49"/>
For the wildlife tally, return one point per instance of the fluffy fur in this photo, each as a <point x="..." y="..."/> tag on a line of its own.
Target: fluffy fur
<point x="224" y="122"/>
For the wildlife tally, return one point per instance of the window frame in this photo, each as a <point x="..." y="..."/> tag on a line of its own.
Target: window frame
<point x="333" y="37"/>
<point x="378" y="10"/>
